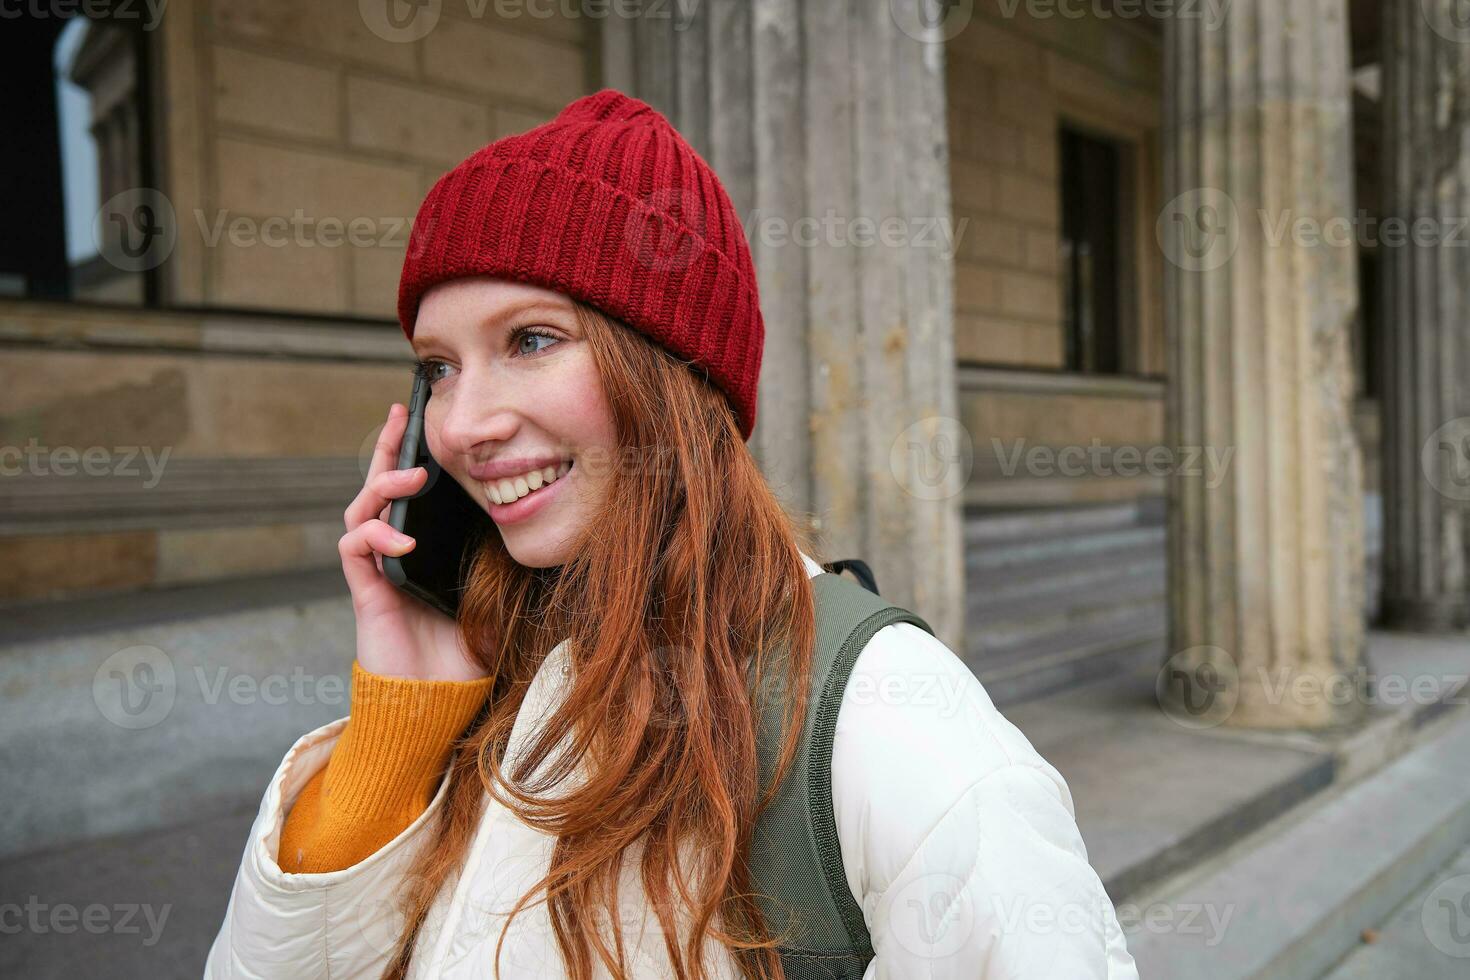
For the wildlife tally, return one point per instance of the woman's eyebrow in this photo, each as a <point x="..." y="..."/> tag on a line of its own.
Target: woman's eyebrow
<point x="498" y="318"/>
<point x="530" y="306"/>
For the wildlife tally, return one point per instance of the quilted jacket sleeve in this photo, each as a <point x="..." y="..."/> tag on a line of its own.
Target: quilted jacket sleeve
<point x="336" y="924"/>
<point x="958" y="838"/>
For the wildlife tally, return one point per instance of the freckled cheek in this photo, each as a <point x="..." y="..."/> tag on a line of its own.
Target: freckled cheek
<point x="581" y="411"/>
<point x="432" y="421"/>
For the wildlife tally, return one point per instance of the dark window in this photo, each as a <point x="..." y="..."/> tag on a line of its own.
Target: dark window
<point x="74" y="113"/>
<point x="1092" y="266"/>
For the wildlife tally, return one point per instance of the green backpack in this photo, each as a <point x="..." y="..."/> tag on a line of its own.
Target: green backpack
<point x="796" y="858"/>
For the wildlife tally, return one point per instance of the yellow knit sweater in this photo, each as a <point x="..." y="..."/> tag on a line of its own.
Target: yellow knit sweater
<point x="383" y="771"/>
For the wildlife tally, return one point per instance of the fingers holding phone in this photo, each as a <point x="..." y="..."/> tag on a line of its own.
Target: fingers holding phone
<point x="369" y="535"/>
<point x="397" y="634"/>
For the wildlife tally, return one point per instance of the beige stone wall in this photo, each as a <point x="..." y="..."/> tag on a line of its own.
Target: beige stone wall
<point x="1013" y="414"/>
<point x="216" y="445"/>
<point x="1012" y="81"/>
<point x="283" y="110"/>
<point x="299" y="113"/>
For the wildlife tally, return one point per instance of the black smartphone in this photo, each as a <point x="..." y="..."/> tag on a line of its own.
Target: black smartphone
<point x="445" y="523"/>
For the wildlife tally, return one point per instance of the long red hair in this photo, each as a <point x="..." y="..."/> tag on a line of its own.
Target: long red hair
<point x="691" y="571"/>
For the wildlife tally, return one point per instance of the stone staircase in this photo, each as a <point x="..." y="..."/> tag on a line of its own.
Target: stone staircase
<point x="1057" y="596"/>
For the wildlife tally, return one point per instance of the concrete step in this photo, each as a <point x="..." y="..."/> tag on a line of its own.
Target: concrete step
<point x="1000" y="526"/>
<point x="1097" y="625"/>
<point x="1059" y="596"/>
<point x="1050" y="627"/>
<point x="1082" y="588"/>
<point x="1042" y="665"/>
<point x="1291" y="898"/>
<point x="1080" y="548"/>
<point x="1044" y="675"/>
<point x="1206" y="789"/>
<point x="996" y="591"/>
<point x="1425" y="938"/>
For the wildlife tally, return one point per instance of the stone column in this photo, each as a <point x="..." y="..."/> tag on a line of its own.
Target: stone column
<point x="825" y="119"/>
<point x="1426" y="323"/>
<point x="1265" y="563"/>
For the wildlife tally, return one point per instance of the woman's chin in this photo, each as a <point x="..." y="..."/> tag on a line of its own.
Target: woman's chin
<point x="534" y="547"/>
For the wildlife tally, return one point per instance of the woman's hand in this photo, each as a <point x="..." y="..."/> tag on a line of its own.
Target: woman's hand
<point x="397" y="635"/>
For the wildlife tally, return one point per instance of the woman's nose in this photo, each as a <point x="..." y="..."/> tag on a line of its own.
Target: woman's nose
<point x="469" y="423"/>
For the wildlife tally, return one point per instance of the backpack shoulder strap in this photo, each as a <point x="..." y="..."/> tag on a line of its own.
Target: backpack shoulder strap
<point x="795" y="854"/>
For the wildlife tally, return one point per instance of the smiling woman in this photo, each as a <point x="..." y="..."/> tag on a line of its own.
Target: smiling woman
<point x="609" y="764"/>
<point x="517" y="401"/>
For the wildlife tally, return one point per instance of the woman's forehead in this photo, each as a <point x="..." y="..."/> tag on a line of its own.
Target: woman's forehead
<point x="478" y="301"/>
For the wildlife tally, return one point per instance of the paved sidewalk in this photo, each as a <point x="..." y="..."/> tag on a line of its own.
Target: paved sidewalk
<point x="1426" y="938"/>
<point x="138" y="907"/>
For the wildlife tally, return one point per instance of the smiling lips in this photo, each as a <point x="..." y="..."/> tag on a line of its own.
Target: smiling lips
<point x="510" y="489"/>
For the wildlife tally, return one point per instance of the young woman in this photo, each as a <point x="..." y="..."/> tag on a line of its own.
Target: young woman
<point x="564" y="781"/>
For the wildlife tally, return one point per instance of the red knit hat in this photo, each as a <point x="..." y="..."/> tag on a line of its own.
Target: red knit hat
<point x="606" y="203"/>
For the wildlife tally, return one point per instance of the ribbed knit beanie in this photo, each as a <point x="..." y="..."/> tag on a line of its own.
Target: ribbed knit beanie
<point x="606" y="203"/>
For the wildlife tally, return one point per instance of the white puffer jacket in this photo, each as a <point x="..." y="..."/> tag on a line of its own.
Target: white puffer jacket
<point x="959" y="841"/>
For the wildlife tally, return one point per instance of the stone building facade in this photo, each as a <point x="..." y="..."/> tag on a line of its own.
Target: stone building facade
<point x="1089" y="361"/>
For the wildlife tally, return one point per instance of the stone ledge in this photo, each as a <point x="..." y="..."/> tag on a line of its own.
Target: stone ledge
<point x="1300" y="891"/>
<point x="238" y="332"/>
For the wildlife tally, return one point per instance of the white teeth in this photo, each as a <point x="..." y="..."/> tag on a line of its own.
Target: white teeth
<point x="513" y="488"/>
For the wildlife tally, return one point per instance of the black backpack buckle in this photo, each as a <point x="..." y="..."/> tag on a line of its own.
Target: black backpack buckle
<point x="859" y="569"/>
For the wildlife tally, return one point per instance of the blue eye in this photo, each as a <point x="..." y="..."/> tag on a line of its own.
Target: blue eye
<point x="428" y="370"/>
<point x="521" y="333"/>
